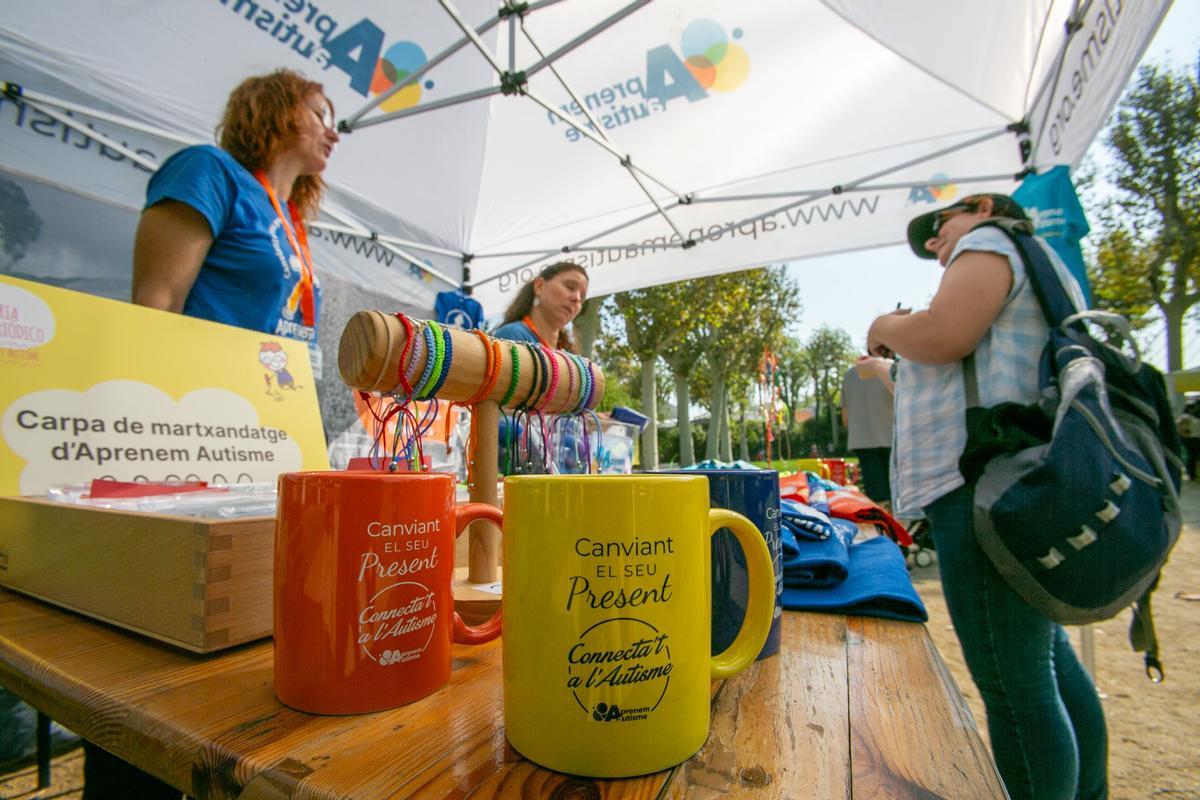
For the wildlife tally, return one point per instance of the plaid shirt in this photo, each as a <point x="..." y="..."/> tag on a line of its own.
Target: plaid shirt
<point x="930" y="403"/>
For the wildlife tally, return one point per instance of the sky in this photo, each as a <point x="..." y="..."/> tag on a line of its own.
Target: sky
<point x="886" y="276"/>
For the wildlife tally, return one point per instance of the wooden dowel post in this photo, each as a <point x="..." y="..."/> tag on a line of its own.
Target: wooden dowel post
<point x="369" y="360"/>
<point x="484" y="539"/>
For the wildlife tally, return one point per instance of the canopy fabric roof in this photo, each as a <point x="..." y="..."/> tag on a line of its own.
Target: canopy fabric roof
<point x="730" y="135"/>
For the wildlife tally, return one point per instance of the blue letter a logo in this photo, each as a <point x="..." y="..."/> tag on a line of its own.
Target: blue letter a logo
<point x="661" y="63"/>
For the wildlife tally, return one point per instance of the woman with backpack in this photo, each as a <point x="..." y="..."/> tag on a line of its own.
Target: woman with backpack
<point x="1044" y="717"/>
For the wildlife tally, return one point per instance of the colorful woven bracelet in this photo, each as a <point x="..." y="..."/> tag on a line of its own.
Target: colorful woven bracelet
<point x="534" y="365"/>
<point x="592" y="388"/>
<point x="447" y="358"/>
<point x="437" y="352"/>
<point x="552" y="386"/>
<point x="543" y="377"/>
<point x="584" y="384"/>
<point x="516" y="375"/>
<point x="570" y="367"/>
<point x="404" y="353"/>
<point x="416" y="362"/>
<point x="427" y="373"/>
<point x="491" y="370"/>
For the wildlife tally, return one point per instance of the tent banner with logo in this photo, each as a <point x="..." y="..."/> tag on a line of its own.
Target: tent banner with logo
<point x="648" y="141"/>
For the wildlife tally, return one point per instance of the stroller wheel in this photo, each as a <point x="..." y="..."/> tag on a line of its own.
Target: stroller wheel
<point x="923" y="558"/>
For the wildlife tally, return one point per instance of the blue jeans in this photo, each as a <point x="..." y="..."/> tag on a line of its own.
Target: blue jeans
<point x="1043" y="714"/>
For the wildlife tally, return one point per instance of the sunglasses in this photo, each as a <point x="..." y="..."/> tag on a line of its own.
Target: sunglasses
<point x="940" y="218"/>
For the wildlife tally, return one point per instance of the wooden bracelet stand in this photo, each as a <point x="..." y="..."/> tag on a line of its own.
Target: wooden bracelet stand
<point x="369" y="360"/>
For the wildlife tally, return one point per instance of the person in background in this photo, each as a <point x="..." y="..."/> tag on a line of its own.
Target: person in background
<point x="222" y="236"/>
<point x="545" y="306"/>
<point x="1188" y="423"/>
<point x="867" y="415"/>
<point x="1047" y="727"/>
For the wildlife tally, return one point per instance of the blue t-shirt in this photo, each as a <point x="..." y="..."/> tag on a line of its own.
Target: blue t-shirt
<point x="1058" y="218"/>
<point x="458" y="309"/>
<point x="516" y="331"/>
<point x="251" y="275"/>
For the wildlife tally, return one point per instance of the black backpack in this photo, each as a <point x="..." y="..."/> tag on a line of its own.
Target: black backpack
<point x="1077" y="495"/>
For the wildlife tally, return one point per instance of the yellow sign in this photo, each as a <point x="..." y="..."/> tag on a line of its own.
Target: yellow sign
<point x="93" y="388"/>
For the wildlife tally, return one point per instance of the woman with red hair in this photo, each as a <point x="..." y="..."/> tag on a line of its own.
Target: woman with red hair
<point x="222" y="236"/>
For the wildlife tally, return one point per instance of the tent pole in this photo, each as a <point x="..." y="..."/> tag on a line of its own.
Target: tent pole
<point x="103" y="116"/>
<point x="90" y="133"/>
<point x="465" y="97"/>
<point x="470" y="34"/>
<point x="599" y="27"/>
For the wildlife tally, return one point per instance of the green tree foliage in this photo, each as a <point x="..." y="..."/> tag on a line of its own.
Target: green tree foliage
<point x="829" y="353"/>
<point x="1149" y="237"/>
<point x="748" y="312"/>
<point x="20" y="225"/>
<point x="654" y="318"/>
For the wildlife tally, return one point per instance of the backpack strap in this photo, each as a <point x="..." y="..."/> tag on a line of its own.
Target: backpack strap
<point x="1052" y="297"/>
<point x="1142" y="637"/>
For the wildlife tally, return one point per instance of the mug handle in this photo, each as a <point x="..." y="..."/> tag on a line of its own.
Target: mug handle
<point x="761" y="606"/>
<point x="485" y="631"/>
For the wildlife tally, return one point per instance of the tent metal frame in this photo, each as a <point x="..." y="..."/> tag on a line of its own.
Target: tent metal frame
<point x="515" y="82"/>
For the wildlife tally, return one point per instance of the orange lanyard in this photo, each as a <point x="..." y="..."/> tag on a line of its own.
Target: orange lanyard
<point x="299" y="248"/>
<point x="529" y="324"/>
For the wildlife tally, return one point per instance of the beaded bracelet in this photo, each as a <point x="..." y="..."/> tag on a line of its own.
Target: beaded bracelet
<point x="516" y="374"/>
<point x="427" y="373"/>
<point x="552" y="386"/>
<point x="447" y="358"/>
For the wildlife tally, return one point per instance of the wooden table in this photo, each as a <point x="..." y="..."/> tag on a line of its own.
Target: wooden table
<point x="851" y="708"/>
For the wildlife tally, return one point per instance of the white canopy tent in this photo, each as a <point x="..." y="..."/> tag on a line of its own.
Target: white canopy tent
<point x="650" y="141"/>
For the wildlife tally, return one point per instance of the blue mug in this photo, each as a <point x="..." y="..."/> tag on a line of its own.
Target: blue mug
<point x="753" y="493"/>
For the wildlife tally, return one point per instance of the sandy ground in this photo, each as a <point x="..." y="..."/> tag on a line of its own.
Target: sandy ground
<point x="1154" y="730"/>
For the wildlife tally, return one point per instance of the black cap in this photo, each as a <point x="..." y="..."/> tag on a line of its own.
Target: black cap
<point x="920" y="229"/>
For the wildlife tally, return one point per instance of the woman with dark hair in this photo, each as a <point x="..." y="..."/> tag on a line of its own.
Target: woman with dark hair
<point x="222" y="236"/>
<point x="1047" y="726"/>
<point x="545" y="306"/>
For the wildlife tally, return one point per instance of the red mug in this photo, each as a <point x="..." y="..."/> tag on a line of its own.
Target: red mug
<point x="364" y="609"/>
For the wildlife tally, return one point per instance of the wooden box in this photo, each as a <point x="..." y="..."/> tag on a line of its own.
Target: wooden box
<point x="200" y="584"/>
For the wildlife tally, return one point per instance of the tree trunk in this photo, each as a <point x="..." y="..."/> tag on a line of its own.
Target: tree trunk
<point x="834" y="427"/>
<point x="1174" y="324"/>
<point x="726" y="432"/>
<point x="587" y="326"/>
<point x="683" y="400"/>
<point x="650" y="409"/>
<point x="744" y="448"/>
<point x="712" y="448"/>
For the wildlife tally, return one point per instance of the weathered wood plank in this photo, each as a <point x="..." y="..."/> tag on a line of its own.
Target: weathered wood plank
<point x="780" y="729"/>
<point x="911" y="733"/>
<point x="859" y="704"/>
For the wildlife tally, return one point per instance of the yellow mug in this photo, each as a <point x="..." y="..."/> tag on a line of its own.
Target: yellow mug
<point x="607" y="614"/>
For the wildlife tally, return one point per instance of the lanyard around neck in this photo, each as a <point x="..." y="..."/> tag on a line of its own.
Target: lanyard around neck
<point x="300" y="248"/>
<point x="528" y="320"/>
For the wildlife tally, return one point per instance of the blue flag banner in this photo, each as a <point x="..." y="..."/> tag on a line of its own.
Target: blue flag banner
<point x="1058" y="218"/>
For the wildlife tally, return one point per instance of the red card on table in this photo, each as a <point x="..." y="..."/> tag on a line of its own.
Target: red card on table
<point x="104" y="487"/>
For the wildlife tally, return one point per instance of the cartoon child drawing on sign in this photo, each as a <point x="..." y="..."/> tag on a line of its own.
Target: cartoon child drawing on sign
<point x="274" y="359"/>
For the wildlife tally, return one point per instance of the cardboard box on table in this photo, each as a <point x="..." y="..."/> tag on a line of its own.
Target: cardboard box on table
<point x="95" y="388"/>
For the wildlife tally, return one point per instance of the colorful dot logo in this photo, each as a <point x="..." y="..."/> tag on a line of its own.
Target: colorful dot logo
<point x="399" y="61"/>
<point x="941" y="188"/>
<point x="714" y="61"/>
